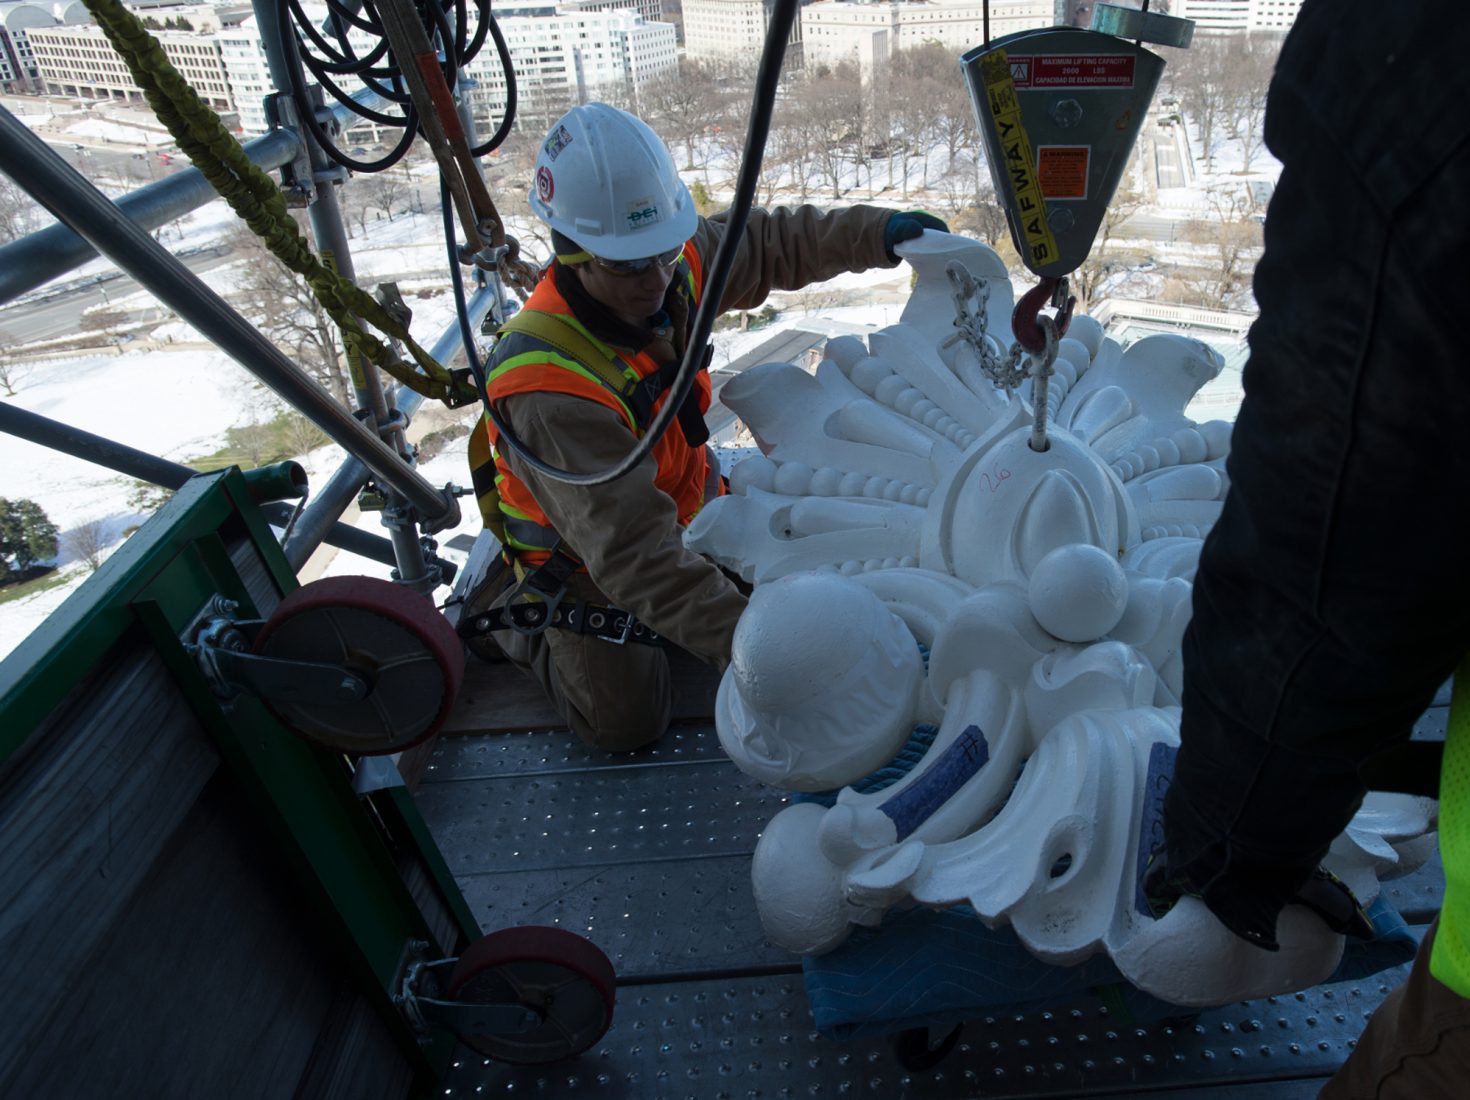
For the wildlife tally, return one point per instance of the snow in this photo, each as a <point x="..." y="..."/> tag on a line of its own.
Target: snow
<point x="105" y="131"/>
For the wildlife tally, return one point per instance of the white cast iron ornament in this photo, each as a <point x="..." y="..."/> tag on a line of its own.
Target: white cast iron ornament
<point x="897" y="501"/>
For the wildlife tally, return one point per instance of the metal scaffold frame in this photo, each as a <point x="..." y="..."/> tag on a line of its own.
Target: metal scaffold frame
<point x="372" y="435"/>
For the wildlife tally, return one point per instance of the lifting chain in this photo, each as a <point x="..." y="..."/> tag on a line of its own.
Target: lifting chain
<point x="1007" y="373"/>
<point x="1033" y="354"/>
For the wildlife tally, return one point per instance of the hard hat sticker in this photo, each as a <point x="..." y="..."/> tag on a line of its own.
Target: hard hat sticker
<point x="556" y="142"/>
<point x="643" y="213"/>
<point x="545" y="185"/>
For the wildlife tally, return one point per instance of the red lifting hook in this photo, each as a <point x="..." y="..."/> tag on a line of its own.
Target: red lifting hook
<point x="1023" y="318"/>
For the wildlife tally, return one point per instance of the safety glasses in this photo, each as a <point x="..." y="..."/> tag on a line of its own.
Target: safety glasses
<point x="638" y="267"/>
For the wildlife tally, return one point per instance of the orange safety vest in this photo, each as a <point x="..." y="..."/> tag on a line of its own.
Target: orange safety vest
<point x="526" y="363"/>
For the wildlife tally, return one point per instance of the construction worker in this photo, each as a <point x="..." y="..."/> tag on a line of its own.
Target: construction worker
<point x="577" y="375"/>
<point x="1333" y="596"/>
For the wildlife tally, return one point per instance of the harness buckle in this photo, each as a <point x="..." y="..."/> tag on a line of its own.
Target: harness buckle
<point x="548" y="583"/>
<point x="624" y="629"/>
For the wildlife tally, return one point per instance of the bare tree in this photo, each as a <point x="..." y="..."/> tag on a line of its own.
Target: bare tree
<point x="1106" y="258"/>
<point x="300" y="435"/>
<point x="12" y="371"/>
<point x="384" y="191"/>
<point x="827" y="114"/>
<point x="282" y="304"/>
<point x="1232" y="241"/>
<point x="791" y="141"/>
<point x="1202" y="80"/>
<point x="255" y="440"/>
<point x="356" y="205"/>
<point x="882" y="128"/>
<point x="18" y="213"/>
<point x="87" y="542"/>
<point x="1248" y="74"/>
<point x="954" y="119"/>
<point x="910" y="92"/>
<point x="683" y="104"/>
<point x="932" y="105"/>
<point x="968" y="201"/>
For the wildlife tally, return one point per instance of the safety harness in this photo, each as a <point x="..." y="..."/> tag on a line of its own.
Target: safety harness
<point x="539" y="598"/>
<point x="545" y="590"/>
<point x="638" y="395"/>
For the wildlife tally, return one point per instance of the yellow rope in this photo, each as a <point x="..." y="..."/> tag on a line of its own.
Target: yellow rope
<point x="254" y="196"/>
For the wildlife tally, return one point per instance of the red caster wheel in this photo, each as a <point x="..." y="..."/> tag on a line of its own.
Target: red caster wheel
<point x="561" y="977"/>
<point x="393" y="638"/>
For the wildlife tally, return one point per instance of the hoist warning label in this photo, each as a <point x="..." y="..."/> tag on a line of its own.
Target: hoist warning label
<point x="1062" y="170"/>
<point x="1076" y="71"/>
<point x="1018" y="167"/>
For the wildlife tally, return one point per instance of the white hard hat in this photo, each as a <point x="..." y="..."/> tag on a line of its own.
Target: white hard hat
<point x="605" y="180"/>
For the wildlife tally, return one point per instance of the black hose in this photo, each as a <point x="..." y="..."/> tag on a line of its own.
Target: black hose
<point x="327" y="56"/>
<point x="461" y="307"/>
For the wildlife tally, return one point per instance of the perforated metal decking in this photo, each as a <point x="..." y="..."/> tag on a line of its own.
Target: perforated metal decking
<point x="648" y="855"/>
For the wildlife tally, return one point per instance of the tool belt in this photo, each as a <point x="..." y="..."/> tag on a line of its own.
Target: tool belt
<point x="610" y="624"/>
<point x="546" y="606"/>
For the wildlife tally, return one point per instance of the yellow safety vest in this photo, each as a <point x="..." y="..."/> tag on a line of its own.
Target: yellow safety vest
<point x="1450" y="959"/>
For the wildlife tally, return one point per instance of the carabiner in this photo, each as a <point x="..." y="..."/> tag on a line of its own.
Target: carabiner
<point x="1050" y="291"/>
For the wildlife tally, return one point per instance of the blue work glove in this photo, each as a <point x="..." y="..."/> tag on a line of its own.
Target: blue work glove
<point x="907" y="225"/>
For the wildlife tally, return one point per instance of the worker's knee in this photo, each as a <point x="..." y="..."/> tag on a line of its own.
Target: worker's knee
<point x="614" y="698"/>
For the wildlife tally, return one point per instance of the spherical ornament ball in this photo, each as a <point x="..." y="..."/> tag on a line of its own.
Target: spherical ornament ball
<point x="1078" y="592"/>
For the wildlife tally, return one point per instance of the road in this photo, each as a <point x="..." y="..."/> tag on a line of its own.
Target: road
<point x="1146" y="226"/>
<point x="57" y="315"/>
<point x="1166" y="159"/>
<point x="101" y="162"/>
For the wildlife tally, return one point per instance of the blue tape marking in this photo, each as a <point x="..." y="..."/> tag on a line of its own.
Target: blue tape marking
<point x="910" y="808"/>
<point x="1151" y="832"/>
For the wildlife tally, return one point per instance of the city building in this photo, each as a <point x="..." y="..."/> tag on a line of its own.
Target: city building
<point x="77" y="60"/>
<point x="651" y="10"/>
<point x="1239" y="15"/>
<point x="18" y="71"/>
<point x="243" y="56"/>
<point x="869" y="32"/>
<point x="564" y="54"/>
<point x="735" y="29"/>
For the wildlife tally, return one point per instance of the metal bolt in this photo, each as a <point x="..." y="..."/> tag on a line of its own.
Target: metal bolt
<point x="1066" y="113"/>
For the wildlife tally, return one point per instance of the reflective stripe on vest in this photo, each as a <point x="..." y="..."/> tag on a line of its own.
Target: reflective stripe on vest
<point x="1449" y="961"/>
<point x="616" y="380"/>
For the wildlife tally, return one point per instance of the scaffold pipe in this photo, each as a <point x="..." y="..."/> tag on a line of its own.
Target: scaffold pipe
<point x="73" y="200"/>
<point x="332" y="499"/>
<point x="56" y="436"/>
<point x="50" y="253"/>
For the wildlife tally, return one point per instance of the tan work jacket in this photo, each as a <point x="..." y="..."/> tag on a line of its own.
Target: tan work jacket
<point x="627" y="532"/>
